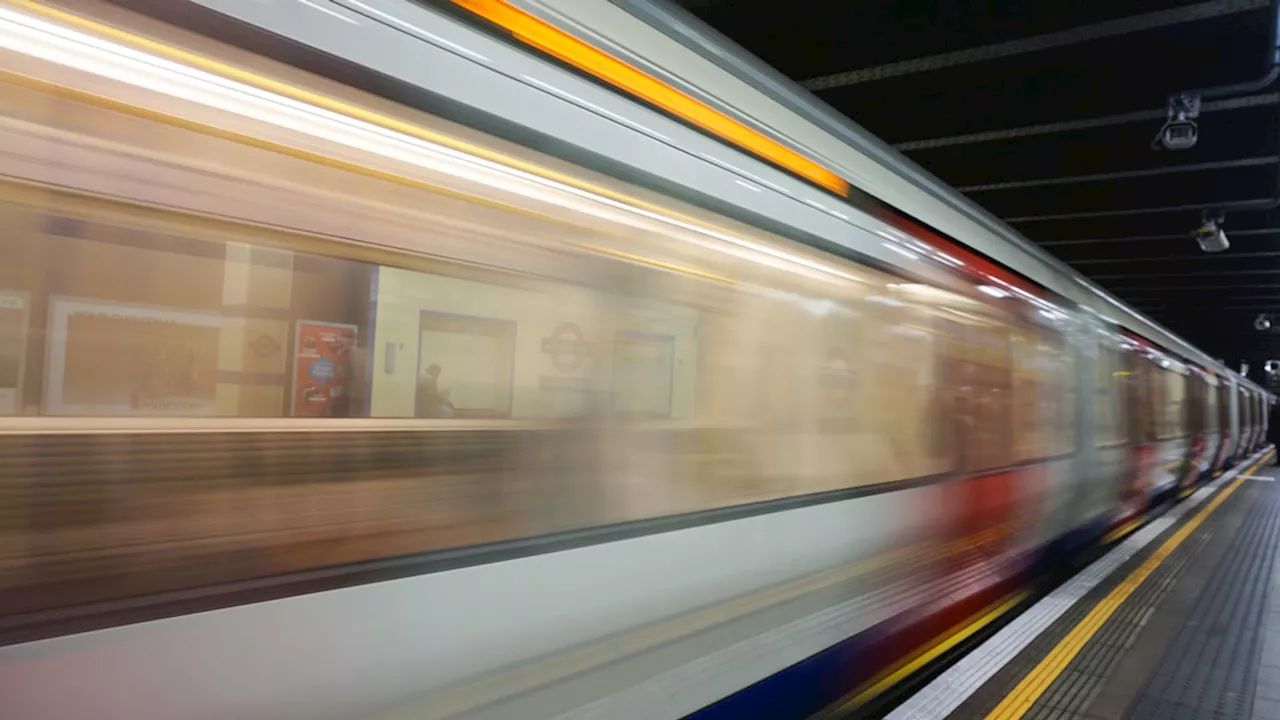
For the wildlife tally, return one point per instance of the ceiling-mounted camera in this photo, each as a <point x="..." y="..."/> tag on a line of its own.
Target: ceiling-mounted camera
<point x="1261" y="323"/>
<point x="1179" y="135"/>
<point x="1210" y="236"/>
<point x="1180" y="131"/>
<point x="1271" y="367"/>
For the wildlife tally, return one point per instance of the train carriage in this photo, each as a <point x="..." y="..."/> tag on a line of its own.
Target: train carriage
<point x="368" y="359"/>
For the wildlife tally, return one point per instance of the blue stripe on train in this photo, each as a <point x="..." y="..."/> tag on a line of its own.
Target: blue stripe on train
<point x="804" y="689"/>
<point x="812" y="684"/>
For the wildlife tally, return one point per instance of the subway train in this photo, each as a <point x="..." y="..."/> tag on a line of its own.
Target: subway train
<point x="483" y="359"/>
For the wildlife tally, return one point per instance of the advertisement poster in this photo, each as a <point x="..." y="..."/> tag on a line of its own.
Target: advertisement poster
<point x="321" y="366"/>
<point x="13" y="348"/>
<point x="108" y="358"/>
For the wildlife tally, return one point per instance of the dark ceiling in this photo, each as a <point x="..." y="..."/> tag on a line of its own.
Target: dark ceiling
<point x="1045" y="113"/>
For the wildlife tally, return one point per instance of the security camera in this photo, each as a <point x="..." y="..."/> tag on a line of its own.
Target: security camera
<point x="1271" y="367"/>
<point x="1212" y="239"/>
<point x="1209" y="236"/>
<point x="1261" y="323"/>
<point x="1180" y="131"/>
<point x="1179" y="135"/>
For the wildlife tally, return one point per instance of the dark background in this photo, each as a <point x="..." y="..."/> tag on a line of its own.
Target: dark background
<point x="1045" y="112"/>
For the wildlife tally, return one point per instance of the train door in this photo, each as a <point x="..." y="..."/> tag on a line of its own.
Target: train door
<point x="1259" y="420"/>
<point x="1260" y="406"/>
<point x="1266" y="418"/>
<point x="1246" y="422"/>
<point x="1197" y="427"/>
<point x="1225" y="430"/>
<point x="1255" y="422"/>
<point x="1109" y="427"/>
<point x="975" y="377"/>
<point x="1045" y="431"/>
<point x="1233" y="417"/>
<point x="1213" y="427"/>
<point x="1172" y="423"/>
<point x="1137" y="486"/>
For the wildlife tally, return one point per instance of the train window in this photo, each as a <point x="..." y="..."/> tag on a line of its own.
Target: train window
<point x="1067" y="410"/>
<point x="1211" y="408"/>
<point x="1172" y="408"/>
<point x="1044" y="397"/>
<point x="1224" y="407"/>
<point x="1242" y="409"/>
<point x="128" y="317"/>
<point x="1109" y="392"/>
<point x="977" y="379"/>
<point x="142" y="318"/>
<point x="1032" y="383"/>
<point x="1141" y="403"/>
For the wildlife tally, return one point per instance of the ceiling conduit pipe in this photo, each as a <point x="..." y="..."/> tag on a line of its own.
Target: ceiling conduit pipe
<point x="1180" y="130"/>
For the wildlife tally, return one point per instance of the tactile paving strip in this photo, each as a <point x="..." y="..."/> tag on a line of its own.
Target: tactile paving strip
<point x="978" y="682"/>
<point x="1210" y="668"/>
<point x="1073" y="690"/>
<point x="1119" y="658"/>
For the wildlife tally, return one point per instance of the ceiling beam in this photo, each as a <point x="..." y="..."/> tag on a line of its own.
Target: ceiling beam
<point x="1063" y="126"/>
<point x="1123" y="174"/>
<point x="1255" y="204"/>
<point x="1237" y="298"/>
<point x="1201" y="257"/>
<point x="1272" y="304"/>
<point x="1163" y="288"/>
<point x="1144" y="276"/>
<point x="1203" y="318"/>
<point x="1143" y="238"/>
<point x="1036" y="43"/>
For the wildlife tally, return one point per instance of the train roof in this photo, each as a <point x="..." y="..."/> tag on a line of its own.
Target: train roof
<point x="406" y="48"/>
<point x="698" y="59"/>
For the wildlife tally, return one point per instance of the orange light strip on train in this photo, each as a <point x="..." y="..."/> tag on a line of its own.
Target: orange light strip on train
<point x="559" y="44"/>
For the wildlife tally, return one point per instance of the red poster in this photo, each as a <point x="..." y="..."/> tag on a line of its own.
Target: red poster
<point x="321" y="364"/>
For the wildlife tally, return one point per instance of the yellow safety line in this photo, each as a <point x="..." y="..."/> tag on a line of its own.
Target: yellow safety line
<point x="1018" y="702"/>
<point x="948" y="640"/>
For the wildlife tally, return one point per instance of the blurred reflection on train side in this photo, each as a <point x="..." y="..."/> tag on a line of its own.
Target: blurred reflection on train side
<point x="254" y="400"/>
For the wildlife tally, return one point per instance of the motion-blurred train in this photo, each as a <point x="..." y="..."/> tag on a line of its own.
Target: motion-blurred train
<point x="528" y="359"/>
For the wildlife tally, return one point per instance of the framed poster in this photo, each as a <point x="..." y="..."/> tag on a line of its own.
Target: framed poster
<point x="321" y="368"/>
<point x="13" y="349"/>
<point x="108" y="358"/>
<point x="643" y="374"/>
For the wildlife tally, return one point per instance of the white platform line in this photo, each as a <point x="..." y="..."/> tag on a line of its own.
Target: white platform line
<point x="949" y="690"/>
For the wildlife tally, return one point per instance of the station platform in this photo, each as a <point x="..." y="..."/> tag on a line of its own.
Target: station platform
<point x="1178" y="621"/>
